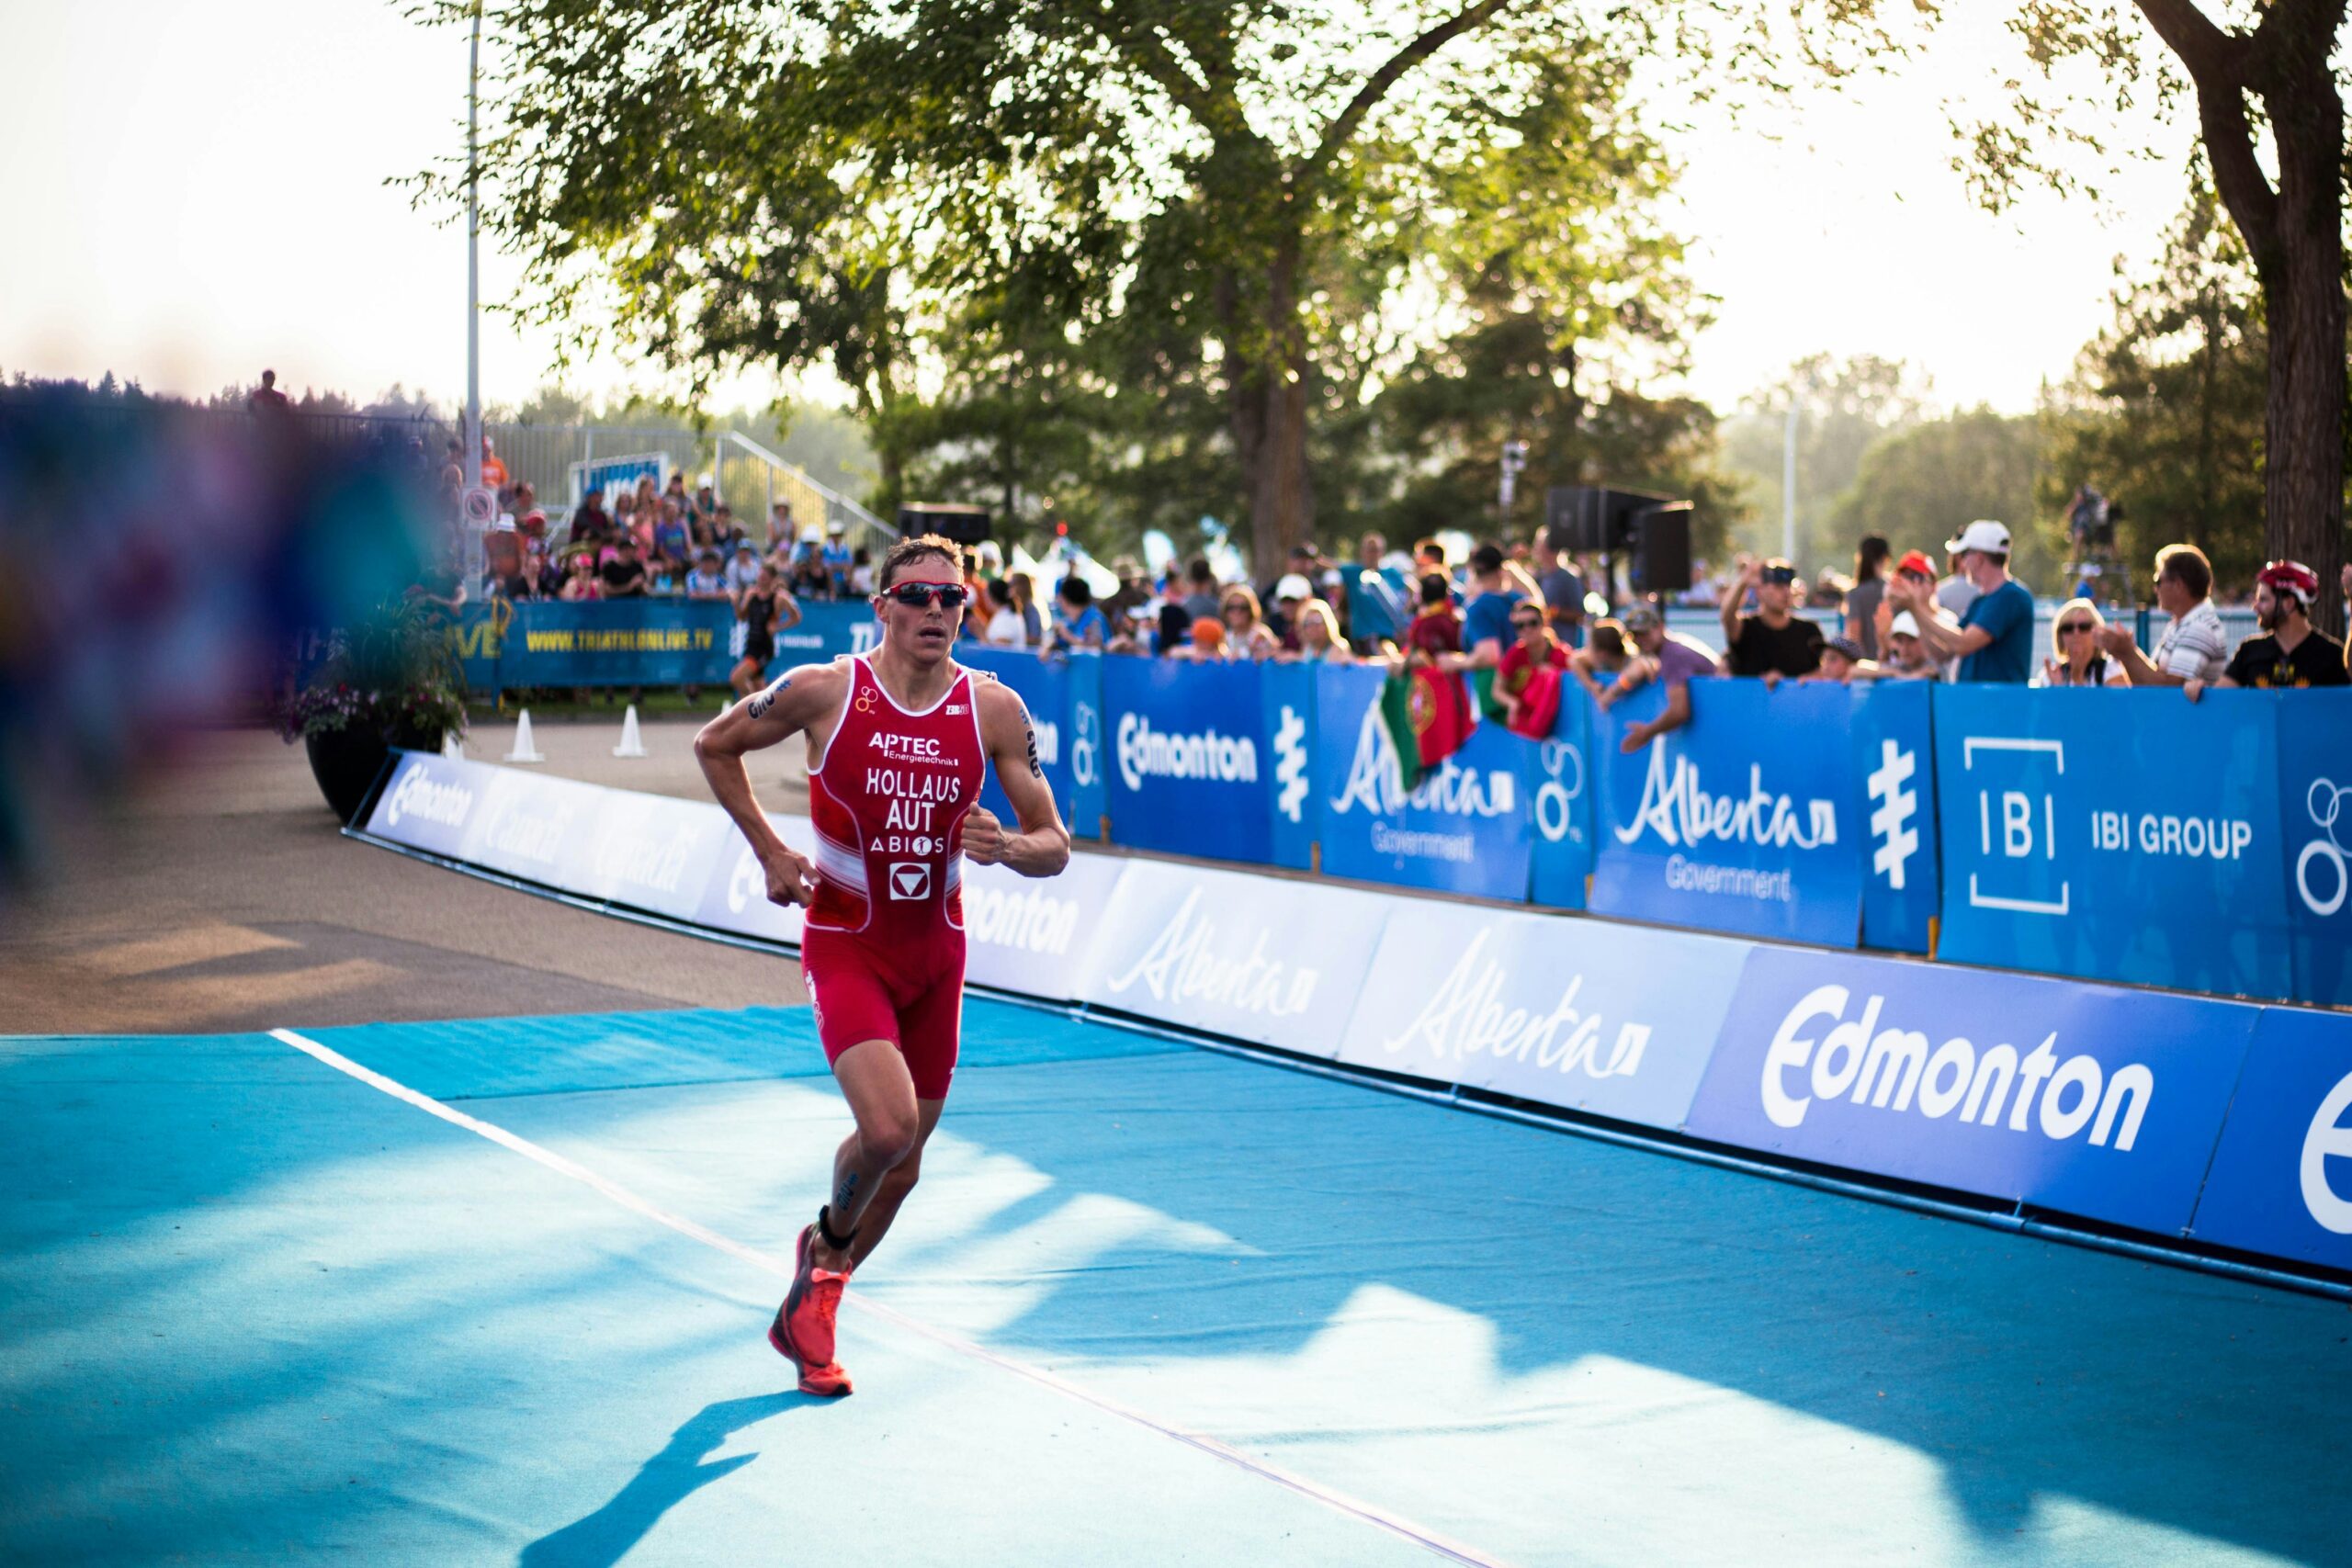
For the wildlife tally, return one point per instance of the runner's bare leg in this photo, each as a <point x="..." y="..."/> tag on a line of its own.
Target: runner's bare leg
<point x="890" y="1129"/>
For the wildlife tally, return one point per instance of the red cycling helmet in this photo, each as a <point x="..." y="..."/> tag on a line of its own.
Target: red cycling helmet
<point x="2290" y="577"/>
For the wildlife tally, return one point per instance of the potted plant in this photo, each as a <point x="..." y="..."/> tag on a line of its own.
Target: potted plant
<point x="393" y="680"/>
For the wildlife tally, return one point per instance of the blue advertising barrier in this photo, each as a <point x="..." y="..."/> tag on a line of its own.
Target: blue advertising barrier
<point x="1087" y="757"/>
<point x="2114" y="835"/>
<point x="618" y="642"/>
<point x="2082" y="1098"/>
<point x="1189" y="772"/>
<point x="2315" y="811"/>
<point x="1774" y="854"/>
<point x="1464" y="828"/>
<point x="1895" y="780"/>
<point x="1044" y="686"/>
<point x="826" y="630"/>
<point x="1291" y="718"/>
<point x="1618" y="1021"/>
<point x="1557" y="776"/>
<point x="2281" y="1181"/>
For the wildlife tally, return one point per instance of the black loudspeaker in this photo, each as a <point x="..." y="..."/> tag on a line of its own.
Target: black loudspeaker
<point x="964" y="524"/>
<point x="1661" y="546"/>
<point x="1592" y="518"/>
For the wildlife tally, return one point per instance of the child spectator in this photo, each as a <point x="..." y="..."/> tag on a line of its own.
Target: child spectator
<point x="1437" y="630"/>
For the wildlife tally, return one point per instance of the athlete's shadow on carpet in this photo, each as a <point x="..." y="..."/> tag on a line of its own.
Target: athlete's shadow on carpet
<point x="661" y="1483"/>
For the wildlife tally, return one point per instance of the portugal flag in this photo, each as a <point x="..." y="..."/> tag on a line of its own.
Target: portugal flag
<point x="1427" y="715"/>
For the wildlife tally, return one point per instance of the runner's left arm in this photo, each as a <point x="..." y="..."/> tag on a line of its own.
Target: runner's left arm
<point x="1042" y="846"/>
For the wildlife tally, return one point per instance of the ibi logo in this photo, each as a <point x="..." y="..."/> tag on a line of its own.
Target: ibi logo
<point x="1891" y="819"/>
<point x="2024" y="821"/>
<point x="1290" y="763"/>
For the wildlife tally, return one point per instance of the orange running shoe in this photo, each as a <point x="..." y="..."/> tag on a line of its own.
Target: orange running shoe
<point x="803" y="1330"/>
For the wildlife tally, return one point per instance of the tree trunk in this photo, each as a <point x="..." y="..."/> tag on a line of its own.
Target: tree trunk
<point x="2303" y="488"/>
<point x="1245" y="395"/>
<point x="1281" y="495"/>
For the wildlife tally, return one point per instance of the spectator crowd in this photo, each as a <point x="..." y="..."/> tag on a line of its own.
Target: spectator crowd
<point x="1502" y="616"/>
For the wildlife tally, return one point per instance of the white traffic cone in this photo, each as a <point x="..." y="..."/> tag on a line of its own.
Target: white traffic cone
<point x="524" y="750"/>
<point x="451" y="747"/>
<point x="632" y="743"/>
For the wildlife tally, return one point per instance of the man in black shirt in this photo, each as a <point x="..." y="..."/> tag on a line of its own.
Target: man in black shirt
<point x="2295" y="653"/>
<point x="1773" y="642"/>
<point x="624" y="575"/>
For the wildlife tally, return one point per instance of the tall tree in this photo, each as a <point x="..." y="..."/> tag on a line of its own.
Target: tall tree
<point x="2269" y="84"/>
<point x="795" y="185"/>
<point x="2166" y="411"/>
<point x="1920" y="485"/>
<point x="1843" y="408"/>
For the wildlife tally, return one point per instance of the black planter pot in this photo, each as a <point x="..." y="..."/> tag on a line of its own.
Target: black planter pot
<point x="345" y="762"/>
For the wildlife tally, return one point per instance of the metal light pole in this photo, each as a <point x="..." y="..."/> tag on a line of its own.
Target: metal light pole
<point x="1788" y="481"/>
<point x="473" y="265"/>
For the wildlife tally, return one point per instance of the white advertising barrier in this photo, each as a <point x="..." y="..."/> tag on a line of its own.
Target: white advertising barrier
<point x="648" y="852"/>
<point x="1253" y="957"/>
<point x="1034" y="935"/>
<point x="684" y="860"/>
<point x="1618" y="1021"/>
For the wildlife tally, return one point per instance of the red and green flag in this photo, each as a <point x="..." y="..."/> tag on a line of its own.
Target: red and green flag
<point x="1428" y="717"/>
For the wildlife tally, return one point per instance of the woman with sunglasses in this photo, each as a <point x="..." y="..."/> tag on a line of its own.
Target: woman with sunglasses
<point x="2077" y="662"/>
<point x="1247" y="635"/>
<point x="882" y="945"/>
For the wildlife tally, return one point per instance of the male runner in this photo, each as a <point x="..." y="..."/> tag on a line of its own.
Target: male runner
<point x="898" y="739"/>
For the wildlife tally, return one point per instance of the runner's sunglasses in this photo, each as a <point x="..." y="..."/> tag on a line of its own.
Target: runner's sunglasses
<point x="919" y="596"/>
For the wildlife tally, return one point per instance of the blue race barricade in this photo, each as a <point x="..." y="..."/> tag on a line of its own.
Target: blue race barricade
<point x="2281" y="1180"/>
<point x="2114" y="835"/>
<point x="2315" y="812"/>
<point x="1044" y="687"/>
<point x="1088" y="757"/>
<point x="1557" y="776"/>
<point x="1290" y="725"/>
<point x="1618" y="1021"/>
<point x="2083" y="1098"/>
<point x="826" y="630"/>
<point x="618" y="642"/>
<point x="1189" y="772"/>
<point x="1742" y="820"/>
<point x="1895" y="784"/>
<point x="1462" y="828"/>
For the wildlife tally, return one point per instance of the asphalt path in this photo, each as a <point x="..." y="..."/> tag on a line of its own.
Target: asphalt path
<point x="222" y="897"/>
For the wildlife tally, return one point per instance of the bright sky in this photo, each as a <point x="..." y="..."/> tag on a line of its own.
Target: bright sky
<point x="198" y="191"/>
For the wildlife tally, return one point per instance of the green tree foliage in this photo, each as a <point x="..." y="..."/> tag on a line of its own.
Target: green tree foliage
<point x="2165" y="412"/>
<point x="1844" y="408"/>
<point x="1919" y="486"/>
<point x="1198" y="231"/>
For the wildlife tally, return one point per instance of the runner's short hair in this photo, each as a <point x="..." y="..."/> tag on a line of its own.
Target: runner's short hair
<point x="923" y="546"/>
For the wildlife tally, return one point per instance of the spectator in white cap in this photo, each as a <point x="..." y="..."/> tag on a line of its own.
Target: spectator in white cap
<point x="2194" y="647"/>
<point x="1290" y="591"/>
<point x="1906" y="659"/>
<point x="1993" y="641"/>
<point x="2293" y="652"/>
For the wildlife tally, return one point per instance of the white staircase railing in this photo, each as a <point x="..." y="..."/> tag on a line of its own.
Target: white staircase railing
<point x="745" y="470"/>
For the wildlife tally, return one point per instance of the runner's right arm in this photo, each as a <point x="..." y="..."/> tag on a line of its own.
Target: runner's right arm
<point x="778" y="711"/>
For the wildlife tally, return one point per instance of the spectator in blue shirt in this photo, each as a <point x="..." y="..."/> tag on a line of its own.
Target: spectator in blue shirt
<point x="1077" y="623"/>
<point x="838" y="561"/>
<point x="1485" y="620"/>
<point x="1994" y="640"/>
<point x="1379" y="602"/>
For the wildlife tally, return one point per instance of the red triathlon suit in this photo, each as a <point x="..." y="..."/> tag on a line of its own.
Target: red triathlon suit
<point x="883" y="944"/>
